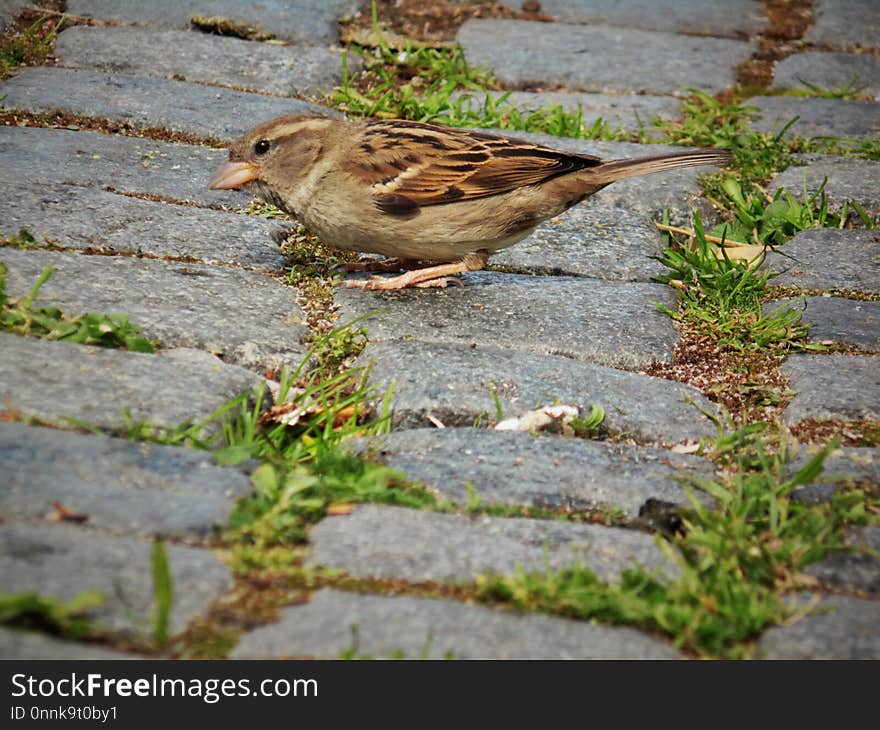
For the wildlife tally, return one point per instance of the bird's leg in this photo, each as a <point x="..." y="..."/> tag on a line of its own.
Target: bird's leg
<point x="429" y="277"/>
<point x="391" y="264"/>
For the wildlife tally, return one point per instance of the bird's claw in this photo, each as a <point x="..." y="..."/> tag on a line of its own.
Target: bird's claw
<point x="378" y="283"/>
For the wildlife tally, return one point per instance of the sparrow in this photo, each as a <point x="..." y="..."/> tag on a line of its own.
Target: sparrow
<point x="417" y="192"/>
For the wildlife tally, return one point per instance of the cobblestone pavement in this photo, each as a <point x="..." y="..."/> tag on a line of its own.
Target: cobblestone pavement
<point x="576" y="322"/>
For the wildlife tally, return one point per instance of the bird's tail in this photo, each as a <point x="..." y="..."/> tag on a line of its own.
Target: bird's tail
<point x="613" y="170"/>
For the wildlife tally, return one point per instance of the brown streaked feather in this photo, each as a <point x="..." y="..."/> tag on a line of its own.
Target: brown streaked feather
<point x="427" y="167"/>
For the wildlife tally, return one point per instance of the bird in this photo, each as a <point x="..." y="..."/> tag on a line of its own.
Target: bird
<point x="418" y="192"/>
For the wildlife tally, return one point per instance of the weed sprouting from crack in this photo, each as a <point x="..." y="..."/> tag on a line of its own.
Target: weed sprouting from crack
<point x="735" y="558"/>
<point x="22" y="317"/>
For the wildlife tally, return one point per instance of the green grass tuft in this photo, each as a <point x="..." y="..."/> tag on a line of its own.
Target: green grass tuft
<point x="736" y="557"/>
<point x="21" y="317"/>
<point x="31" y="46"/>
<point x="721" y="297"/>
<point x="31" y="611"/>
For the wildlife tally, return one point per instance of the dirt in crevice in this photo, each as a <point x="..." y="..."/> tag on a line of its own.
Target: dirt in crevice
<point x="437" y="21"/>
<point x="75" y="122"/>
<point x="787" y="23"/>
<point x="858" y="432"/>
<point x="746" y="384"/>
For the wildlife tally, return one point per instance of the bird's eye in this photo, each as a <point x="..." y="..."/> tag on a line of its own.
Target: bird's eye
<point x="262" y="147"/>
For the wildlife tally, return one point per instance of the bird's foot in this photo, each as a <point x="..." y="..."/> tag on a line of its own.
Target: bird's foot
<point x="378" y="283"/>
<point x="439" y="283"/>
<point x="427" y="278"/>
<point x="392" y="264"/>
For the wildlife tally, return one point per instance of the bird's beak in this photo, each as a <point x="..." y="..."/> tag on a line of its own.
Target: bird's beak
<point x="233" y="175"/>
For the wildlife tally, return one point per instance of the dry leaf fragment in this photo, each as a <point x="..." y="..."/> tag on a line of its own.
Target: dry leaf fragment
<point x="752" y="254"/>
<point x="219" y="25"/>
<point x="9" y="412"/>
<point x="62" y="513"/>
<point x="395" y="41"/>
<point x="689" y="447"/>
<point x="340" y="508"/>
<point x="538" y="419"/>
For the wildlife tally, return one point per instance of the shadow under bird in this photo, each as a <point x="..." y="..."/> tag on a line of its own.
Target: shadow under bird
<point x="418" y="192"/>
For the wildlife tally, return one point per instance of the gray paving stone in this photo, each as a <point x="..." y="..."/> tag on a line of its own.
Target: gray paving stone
<point x="30" y="645"/>
<point x="830" y="71"/>
<point x="816" y="117"/>
<point x="716" y="17"/>
<point x="205" y="112"/>
<point x="629" y="111"/>
<point x="829" y="258"/>
<point x="842" y="23"/>
<point x="866" y="537"/>
<point x="247" y="318"/>
<point x="590" y="240"/>
<point x="526" y="54"/>
<point x="295" y="20"/>
<point x="536" y="471"/>
<point x="850" y="463"/>
<point x="55" y="381"/>
<point x="838" y="627"/>
<point x="847" y="180"/>
<point x="69" y="216"/>
<point x="843" y="387"/>
<point x="387" y="626"/>
<point x="190" y="56"/>
<point x="610" y="323"/>
<point x="176" y="172"/>
<point x="834" y="319"/>
<point x="64" y="561"/>
<point x="858" y="570"/>
<point x="453" y="384"/>
<point x="123" y="487"/>
<point x="419" y="546"/>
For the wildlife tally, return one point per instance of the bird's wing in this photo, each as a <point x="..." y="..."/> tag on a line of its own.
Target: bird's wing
<point x="409" y="164"/>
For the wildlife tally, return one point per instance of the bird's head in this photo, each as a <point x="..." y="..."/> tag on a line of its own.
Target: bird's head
<point x="275" y="154"/>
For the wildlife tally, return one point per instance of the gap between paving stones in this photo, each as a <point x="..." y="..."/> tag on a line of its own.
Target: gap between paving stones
<point x="632" y="112"/>
<point x="300" y="70"/>
<point x="546" y="471"/>
<point x="384" y="626"/>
